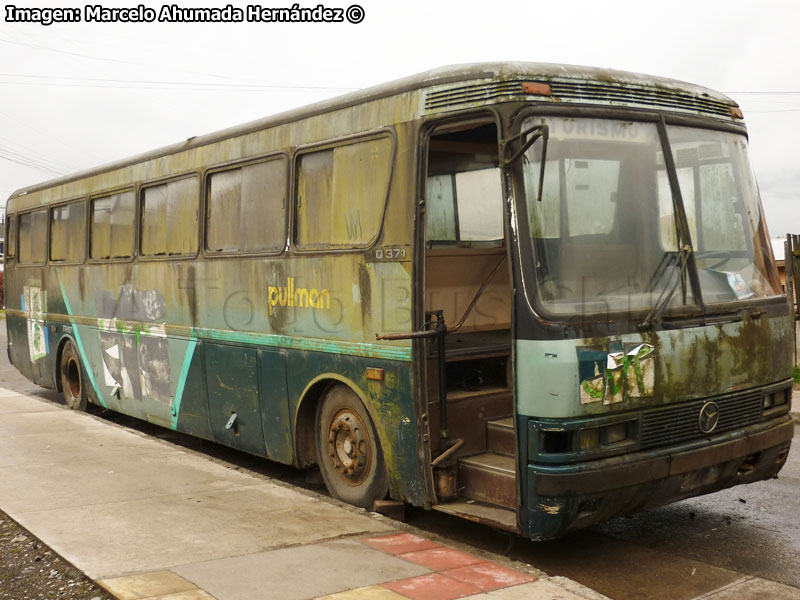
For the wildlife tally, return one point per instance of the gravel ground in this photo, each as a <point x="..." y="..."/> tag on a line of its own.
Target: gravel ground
<point x="29" y="570"/>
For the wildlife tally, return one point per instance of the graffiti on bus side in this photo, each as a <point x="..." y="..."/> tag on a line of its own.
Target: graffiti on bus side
<point x="136" y="365"/>
<point x="34" y="303"/>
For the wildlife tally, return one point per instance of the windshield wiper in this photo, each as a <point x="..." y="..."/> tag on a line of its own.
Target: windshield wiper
<point x="665" y="297"/>
<point x="683" y="236"/>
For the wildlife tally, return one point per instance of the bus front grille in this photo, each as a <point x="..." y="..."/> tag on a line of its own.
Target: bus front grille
<point x="680" y="423"/>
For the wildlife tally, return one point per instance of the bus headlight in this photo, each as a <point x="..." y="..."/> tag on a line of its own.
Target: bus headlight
<point x="590" y="438"/>
<point x="776" y="398"/>
<point x="616" y="433"/>
<point x="582" y="439"/>
<point x="593" y="438"/>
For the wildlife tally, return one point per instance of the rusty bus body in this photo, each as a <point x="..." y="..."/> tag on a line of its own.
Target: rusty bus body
<point x="525" y="242"/>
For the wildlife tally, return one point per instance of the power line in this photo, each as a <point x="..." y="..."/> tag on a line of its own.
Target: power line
<point x="146" y="87"/>
<point x="44" y="159"/>
<point x="165" y="83"/>
<point x="43" y="170"/>
<point x="31" y="161"/>
<point x="765" y="93"/>
<point x="118" y="60"/>
<point x="68" y="53"/>
<point x="47" y="135"/>
<point x="21" y="160"/>
<point x="34" y="158"/>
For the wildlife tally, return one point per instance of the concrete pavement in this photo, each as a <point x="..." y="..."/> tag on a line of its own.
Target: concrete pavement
<point x="796" y="405"/>
<point x="149" y="520"/>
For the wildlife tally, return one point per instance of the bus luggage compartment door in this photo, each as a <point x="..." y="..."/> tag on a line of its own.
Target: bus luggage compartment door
<point x="233" y="398"/>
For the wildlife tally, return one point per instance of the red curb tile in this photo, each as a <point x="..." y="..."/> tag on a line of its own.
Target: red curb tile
<point x="488" y="576"/>
<point x="400" y="543"/>
<point x="432" y="587"/>
<point x="440" y="559"/>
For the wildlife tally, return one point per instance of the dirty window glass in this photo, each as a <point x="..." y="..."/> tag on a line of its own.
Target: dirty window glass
<point x="667" y="229"/>
<point x="68" y="232"/>
<point x="604" y="235"/>
<point x="480" y="205"/>
<point x="721" y="228"/>
<point x="170" y="218"/>
<point x="440" y="208"/>
<point x="590" y="195"/>
<point x="341" y="193"/>
<point x="32" y="237"/>
<point x="591" y="190"/>
<point x="11" y="237"/>
<point x="113" y="226"/>
<point x="247" y="208"/>
<point x="594" y="234"/>
<point x="729" y="237"/>
<point x="465" y="206"/>
<point x="544" y="215"/>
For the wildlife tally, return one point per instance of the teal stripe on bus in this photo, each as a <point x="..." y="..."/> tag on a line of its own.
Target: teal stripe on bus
<point x="84" y="358"/>
<point x="364" y="349"/>
<point x="187" y="362"/>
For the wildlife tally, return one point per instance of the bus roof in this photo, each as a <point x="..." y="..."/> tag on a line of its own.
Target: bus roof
<point x="457" y="86"/>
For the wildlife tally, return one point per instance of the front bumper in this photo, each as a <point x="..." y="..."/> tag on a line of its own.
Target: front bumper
<point x="560" y="499"/>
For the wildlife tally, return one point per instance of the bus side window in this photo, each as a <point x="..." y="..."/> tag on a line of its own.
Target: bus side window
<point x="247" y="208"/>
<point x="68" y="232"/>
<point x="341" y="194"/>
<point x="465" y="207"/>
<point x="441" y="221"/>
<point x="169" y="218"/>
<point x="11" y="236"/>
<point x="464" y="189"/>
<point x="112" y="226"/>
<point x="32" y="237"/>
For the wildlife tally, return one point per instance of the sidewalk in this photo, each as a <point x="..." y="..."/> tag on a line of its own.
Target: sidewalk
<point x="149" y="520"/>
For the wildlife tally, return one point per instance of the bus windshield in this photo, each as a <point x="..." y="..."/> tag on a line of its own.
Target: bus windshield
<point x="604" y="236"/>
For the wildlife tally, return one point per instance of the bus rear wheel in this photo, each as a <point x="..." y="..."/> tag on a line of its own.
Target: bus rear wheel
<point x="72" y="382"/>
<point x="349" y="452"/>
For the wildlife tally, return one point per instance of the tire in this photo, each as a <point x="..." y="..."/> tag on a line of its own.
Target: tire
<point x="348" y="450"/>
<point x="73" y="386"/>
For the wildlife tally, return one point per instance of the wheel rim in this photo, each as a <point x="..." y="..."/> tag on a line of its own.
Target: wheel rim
<point x="349" y="447"/>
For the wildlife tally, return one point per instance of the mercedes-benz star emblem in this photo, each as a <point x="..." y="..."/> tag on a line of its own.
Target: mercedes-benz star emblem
<point x="709" y="417"/>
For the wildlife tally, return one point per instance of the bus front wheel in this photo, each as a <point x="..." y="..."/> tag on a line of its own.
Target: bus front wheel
<point x="72" y="383"/>
<point x="349" y="452"/>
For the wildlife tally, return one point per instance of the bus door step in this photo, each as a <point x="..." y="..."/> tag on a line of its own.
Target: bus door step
<point x="489" y="477"/>
<point x="500" y="436"/>
<point x="492" y="515"/>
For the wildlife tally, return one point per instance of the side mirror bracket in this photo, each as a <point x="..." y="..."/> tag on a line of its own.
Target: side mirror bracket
<point x="528" y="137"/>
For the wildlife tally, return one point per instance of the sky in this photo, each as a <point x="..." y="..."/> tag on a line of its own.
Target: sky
<point x="77" y="95"/>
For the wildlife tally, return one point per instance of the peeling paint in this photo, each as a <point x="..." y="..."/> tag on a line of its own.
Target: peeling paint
<point x="657" y="367"/>
<point x="550" y="510"/>
<point x="34" y="303"/>
<point x="135" y="347"/>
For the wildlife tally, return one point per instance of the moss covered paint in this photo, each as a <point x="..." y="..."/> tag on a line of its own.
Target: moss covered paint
<point x="686" y="363"/>
<point x="218" y="342"/>
<point x="389" y="402"/>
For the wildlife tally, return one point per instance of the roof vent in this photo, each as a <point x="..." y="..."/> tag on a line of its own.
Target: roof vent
<point x="579" y="92"/>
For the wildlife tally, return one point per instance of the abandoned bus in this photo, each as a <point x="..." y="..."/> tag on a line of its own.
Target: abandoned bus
<point x="535" y="296"/>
